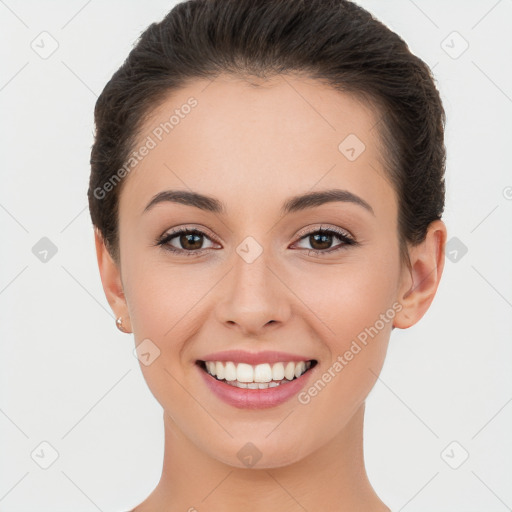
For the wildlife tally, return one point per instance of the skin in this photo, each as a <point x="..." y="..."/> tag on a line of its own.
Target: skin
<point x="252" y="146"/>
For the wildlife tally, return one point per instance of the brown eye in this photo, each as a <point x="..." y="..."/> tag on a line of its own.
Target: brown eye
<point x="321" y="241"/>
<point x="185" y="241"/>
<point x="190" y="241"/>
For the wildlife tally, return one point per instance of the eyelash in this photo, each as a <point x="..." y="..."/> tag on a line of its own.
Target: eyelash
<point x="341" y="235"/>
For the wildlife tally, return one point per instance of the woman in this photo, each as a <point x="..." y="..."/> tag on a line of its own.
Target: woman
<point x="267" y="188"/>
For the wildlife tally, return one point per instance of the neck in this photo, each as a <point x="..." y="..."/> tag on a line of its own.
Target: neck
<point x="332" y="478"/>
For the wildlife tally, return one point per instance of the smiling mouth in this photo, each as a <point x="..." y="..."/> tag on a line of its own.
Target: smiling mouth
<point x="260" y="376"/>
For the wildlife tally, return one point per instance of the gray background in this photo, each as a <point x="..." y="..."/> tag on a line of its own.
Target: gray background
<point x="70" y="379"/>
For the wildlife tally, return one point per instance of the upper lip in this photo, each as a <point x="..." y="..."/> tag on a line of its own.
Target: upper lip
<point x="253" y="358"/>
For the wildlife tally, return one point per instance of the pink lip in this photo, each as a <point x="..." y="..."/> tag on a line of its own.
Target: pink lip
<point x="266" y="356"/>
<point x="254" y="398"/>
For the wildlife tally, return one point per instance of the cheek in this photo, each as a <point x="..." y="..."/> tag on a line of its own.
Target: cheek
<point x="160" y="295"/>
<point x="353" y="309"/>
<point x="161" y="303"/>
<point x="349" y="297"/>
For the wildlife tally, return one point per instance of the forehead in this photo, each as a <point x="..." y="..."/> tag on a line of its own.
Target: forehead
<point x="259" y="141"/>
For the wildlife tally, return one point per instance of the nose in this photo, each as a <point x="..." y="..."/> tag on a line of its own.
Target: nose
<point x="255" y="297"/>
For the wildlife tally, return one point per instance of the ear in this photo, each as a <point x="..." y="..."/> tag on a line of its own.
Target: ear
<point x="419" y="283"/>
<point x="111" y="280"/>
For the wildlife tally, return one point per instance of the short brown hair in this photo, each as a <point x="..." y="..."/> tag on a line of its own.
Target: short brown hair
<point x="334" y="41"/>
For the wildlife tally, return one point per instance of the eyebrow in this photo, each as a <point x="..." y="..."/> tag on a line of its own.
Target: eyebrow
<point x="291" y="205"/>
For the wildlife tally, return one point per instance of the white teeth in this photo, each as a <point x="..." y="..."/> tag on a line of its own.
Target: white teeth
<point x="300" y="368"/>
<point x="219" y="370"/>
<point x="262" y="373"/>
<point x="260" y="376"/>
<point x="278" y="371"/>
<point x="254" y="385"/>
<point x="244" y="372"/>
<point x="230" y="371"/>
<point x="289" y="371"/>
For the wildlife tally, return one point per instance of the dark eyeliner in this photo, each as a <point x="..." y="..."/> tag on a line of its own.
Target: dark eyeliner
<point x="164" y="240"/>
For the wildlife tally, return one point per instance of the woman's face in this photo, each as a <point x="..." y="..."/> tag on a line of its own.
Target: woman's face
<point x="259" y="279"/>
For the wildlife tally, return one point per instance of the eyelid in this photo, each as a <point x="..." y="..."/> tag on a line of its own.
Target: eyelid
<point x="189" y="227"/>
<point x="164" y="241"/>
<point x="342" y="234"/>
<point x="322" y="227"/>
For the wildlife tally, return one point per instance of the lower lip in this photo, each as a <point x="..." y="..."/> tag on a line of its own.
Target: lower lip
<point x="254" y="398"/>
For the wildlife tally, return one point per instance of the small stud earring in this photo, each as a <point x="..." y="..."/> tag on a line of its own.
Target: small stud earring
<point x="119" y="324"/>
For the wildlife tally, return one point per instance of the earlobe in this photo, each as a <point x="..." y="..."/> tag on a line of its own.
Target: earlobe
<point x="111" y="280"/>
<point x="421" y="280"/>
